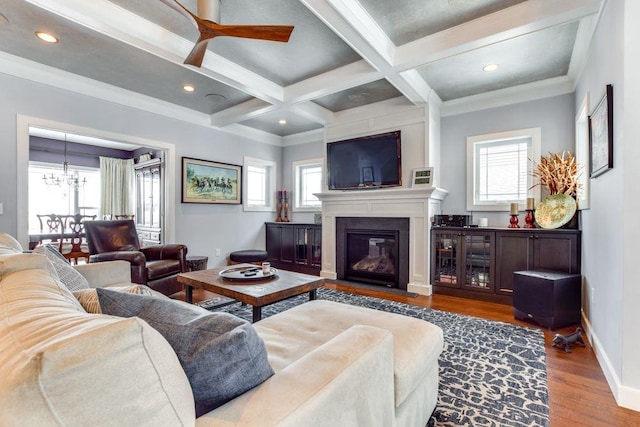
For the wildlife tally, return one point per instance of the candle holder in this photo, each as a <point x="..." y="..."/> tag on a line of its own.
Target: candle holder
<point x="528" y="219"/>
<point x="279" y="207"/>
<point x="286" y="208"/>
<point x="513" y="222"/>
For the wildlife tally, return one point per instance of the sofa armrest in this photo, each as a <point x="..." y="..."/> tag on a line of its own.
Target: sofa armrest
<point x="165" y="251"/>
<point x="101" y="274"/>
<point x="135" y="258"/>
<point x="348" y="381"/>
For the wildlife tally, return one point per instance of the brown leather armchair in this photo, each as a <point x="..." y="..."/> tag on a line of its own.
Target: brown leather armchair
<point x="156" y="266"/>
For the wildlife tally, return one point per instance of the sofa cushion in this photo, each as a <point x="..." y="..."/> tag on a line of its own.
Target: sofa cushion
<point x="221" y="354"/>
<point x="88" y="298"/>
<point x="68" y="275"/>
<point x="9" y="245"/>
<point x="10" y="264"/>
<point x="416" y="343"/>
<point x="62" y="366"/>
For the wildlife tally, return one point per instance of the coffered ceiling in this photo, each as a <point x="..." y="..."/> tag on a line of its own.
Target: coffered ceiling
<point x="342" y="54"/>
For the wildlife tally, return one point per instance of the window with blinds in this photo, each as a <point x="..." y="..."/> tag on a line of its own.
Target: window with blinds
<point x="500" y="170"/>
<point x="260" y="182"/>
<point x="307" y="180"/>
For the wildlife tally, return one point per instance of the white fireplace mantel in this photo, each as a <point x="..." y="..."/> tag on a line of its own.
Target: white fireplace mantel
<point x="417" y="204"/>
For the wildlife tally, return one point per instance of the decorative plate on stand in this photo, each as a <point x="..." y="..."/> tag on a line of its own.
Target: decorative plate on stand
<point x="555" y="211"/>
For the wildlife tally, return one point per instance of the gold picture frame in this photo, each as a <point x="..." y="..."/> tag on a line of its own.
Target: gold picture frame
<point x="204" y="181"/>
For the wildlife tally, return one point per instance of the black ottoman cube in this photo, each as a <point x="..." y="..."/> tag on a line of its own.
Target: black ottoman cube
<point x="550" y="299"/>
<point x="249" y="256"/>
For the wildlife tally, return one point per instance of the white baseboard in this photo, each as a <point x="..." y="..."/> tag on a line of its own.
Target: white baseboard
<point x="331" y="275"/>
<point x="419" y="288"/>
<point x="626" y="397"/>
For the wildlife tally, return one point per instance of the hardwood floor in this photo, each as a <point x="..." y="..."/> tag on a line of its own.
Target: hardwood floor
<point x="578" y="391"/>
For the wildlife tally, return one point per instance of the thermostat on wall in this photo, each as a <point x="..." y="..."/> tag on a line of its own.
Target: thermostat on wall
<point x="422" y="177"/>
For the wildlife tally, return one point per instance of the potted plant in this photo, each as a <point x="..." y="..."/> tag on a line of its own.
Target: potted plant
<point x="558" y="173"/>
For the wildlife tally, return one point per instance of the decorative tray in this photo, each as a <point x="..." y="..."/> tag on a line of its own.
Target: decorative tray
<point x="246" y="273"/>
<point x="555" y="211"/>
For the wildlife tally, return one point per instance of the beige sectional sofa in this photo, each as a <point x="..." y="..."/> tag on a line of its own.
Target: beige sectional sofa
<point x="334" y="364"/>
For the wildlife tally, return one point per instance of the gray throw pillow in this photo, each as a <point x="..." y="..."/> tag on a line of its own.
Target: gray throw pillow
<point x="221" y="354"/>
<point x="68" y="275"/>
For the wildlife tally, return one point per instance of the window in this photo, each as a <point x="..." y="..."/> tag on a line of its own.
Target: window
<point x="260" y="184"/>
<point x="499" y="169"/>
<point x="63" y="199"/>
<point x="307" y="178"/>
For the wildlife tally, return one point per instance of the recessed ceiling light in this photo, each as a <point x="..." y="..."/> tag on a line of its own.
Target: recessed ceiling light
<point x="46" y="37"/>
<point x="282" y="122"/>
<point x="490" y="67"/>
<point x="188" y="88"/>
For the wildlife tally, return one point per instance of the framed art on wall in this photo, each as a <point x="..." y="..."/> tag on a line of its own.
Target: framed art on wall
<point x="601" y="135"/>
<point x="582" y="153"/>
<point x="205" y="181"/>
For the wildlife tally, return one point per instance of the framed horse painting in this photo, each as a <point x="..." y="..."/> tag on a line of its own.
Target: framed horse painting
<point x="204" y="181"/>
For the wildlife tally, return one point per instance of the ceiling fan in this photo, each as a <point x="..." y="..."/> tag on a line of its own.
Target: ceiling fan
<point x="209" y="29"/>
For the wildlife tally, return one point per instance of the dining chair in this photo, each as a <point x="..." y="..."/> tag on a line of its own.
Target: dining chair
<point x="73" y="242"/>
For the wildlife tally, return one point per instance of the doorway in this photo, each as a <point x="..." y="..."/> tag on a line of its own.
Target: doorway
<point x="24" y="123"/>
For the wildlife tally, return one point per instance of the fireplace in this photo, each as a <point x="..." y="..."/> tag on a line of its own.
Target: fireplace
<point x="373" y="250"/>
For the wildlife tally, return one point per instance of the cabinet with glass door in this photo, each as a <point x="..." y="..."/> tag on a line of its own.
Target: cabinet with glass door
<point x="463" y="259"/>
<point x="149" y="202"/>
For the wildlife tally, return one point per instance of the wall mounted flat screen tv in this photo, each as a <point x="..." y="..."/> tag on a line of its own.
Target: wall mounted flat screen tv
<point x="366" y="162"/>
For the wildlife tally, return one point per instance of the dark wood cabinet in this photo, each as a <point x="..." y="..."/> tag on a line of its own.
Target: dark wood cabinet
<point x="294" y="246"/>
<point x="479" y="263"/>
<point x="536" y="249"/>
<point x="149" y="202"/>
<point x="463" y="259"/>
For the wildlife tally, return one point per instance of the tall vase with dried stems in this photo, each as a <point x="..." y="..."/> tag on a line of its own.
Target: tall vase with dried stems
<point x="559" y="174"/>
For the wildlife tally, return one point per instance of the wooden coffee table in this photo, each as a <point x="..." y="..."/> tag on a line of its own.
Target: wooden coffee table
<point x="257" y="293"/>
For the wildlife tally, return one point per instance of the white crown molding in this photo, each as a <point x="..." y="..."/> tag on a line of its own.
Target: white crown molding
<point x="586" y="30"/>
<point x="44" y="74"/>
<point x="316" y="135"/>
<point x="513" y="95"/>
<point x="253" y="134"/>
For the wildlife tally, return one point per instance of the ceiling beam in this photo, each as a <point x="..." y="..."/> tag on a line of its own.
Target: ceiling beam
<point x="523" y="18"/>
<point x="241" y="112"/>
<point x="336" y="80"/>
<point x="135" y="31"/>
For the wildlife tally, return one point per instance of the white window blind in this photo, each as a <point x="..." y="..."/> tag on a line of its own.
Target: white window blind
<point x="307" y="180"/>
<point x="260" y="184"/>
<point x="501" y="169"/>
<point x="257" y="185"/>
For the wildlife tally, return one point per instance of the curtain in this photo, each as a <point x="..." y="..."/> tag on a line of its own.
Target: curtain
<point x="117" y="186"/>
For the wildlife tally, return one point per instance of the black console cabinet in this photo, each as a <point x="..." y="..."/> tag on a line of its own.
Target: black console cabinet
<point x="479" y="263"/>
<point x="294" y="246"/>
<point x="550" y="299"/>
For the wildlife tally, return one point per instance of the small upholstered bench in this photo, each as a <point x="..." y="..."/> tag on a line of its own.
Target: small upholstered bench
<point x="252" y="256"/>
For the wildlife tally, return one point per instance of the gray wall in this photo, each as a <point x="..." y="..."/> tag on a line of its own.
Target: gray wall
<point x="202" y="227"/>
<point x="555" y="117"/>
<point x="610" y="249"/>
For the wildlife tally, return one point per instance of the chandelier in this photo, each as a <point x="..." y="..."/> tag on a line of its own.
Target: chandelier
<point x="66" y="178"/>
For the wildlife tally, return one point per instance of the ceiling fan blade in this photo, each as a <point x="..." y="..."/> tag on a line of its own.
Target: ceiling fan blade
<point x="278" y="33"/>
<point x="209" y="29"/>
<point x="173" y="4"/>
<point x="197" y="53"/>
